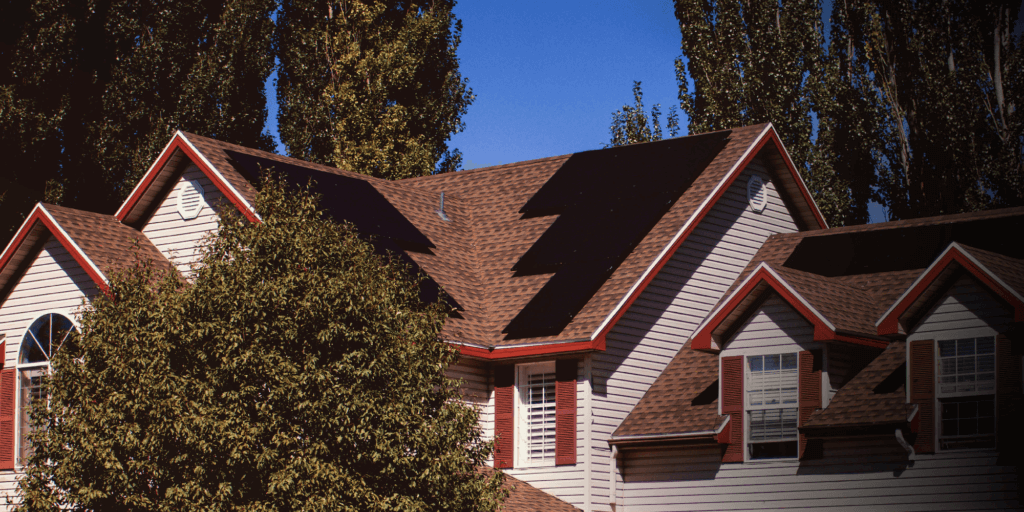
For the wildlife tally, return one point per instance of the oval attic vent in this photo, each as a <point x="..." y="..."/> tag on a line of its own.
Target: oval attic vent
<point x="756" y="193"/>
<point x="190" y="199"/>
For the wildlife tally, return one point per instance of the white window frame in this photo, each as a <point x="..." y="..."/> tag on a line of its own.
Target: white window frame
<point x="941" y="395"/>
<point x="522" y="448"/>
<point x="19" y="367"/>
<point x="748" y="408"/>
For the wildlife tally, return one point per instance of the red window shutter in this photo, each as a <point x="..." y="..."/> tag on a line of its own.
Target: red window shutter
<point x="810" y="390"/>
<point x="732" y="404"/>
<point x="504" y="415"/>
<point x="565" y="411"/>
<point x="922" y="392"/>
<point x="7" y="417"/>
<point x="1008" y="397"/>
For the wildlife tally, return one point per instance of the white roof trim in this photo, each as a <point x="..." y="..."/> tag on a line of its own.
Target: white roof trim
<point x="524" y="345"/>
<point x="148" y="171"/>
<point x="742" y="285"/>
<point x="696" y="214"/>
<point x="75" y="245"/>
<point x="24" y="226"/>
<point x="799" y="177"/>
<point x="952" y="246"/>
<point x="219" y="175"/>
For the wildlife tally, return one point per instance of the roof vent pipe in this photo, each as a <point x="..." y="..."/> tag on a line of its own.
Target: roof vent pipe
<point x="440" y="211"/>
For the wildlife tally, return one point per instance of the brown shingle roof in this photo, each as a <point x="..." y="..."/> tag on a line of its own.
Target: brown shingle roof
<point x="109" y="244"/>
<point x="524" y="497"/>
<point x="1009" y="270"/>
<point x="472" y="255"/>
<point x="876" y="396"/>
<point x="683" y="399"/>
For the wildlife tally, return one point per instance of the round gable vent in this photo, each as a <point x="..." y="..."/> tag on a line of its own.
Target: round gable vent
<point x="757" y="195"/>
<point x="190" y="199"/>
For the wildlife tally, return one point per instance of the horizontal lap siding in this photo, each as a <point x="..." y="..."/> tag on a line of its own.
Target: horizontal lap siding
<point x="53" y="283"/>
<point x="664" y="316"/>
<point x="967" y="309"/>
<point x="179" y="239"/>
<point x="855" y="474"/>
<point x="774" y="327"/>
<point x="475" y="388"/>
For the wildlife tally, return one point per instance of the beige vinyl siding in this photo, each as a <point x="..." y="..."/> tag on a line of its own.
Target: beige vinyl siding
<point x="179" y="239"/>
<point x="967" y="309"/>
<point x="856" y="474"/>
<point x="664" y="316"/>
<point x="476" y="388"/>
<point x="775" y="327"/>
<point x="53" y="283"/>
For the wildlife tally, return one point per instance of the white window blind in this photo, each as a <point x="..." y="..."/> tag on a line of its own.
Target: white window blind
<point x="537" y="414"/>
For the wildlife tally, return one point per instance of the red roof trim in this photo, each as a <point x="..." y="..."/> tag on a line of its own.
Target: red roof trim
<point x="39" y="215"/>
<point x="769" y="135"/>
<point x="179" y="143"/>
<point x="889" y="324"/>
<point x="701" y="340"/>
<point x="500" y="353"/>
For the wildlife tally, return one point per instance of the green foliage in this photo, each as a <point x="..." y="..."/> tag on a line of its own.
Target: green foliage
<point x="631" y="124"/>
<point x="90" y="91"/>
<point x="916" y="103"/>
<point x="754" y="62"/>
<point x="298" y="371"/>
<point x="372" y="86"/>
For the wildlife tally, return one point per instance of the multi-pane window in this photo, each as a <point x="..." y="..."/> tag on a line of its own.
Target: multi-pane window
<point x="536" y="413"/>
<point x="966" y="387"/>
<point x="772" y="383"/>
<point x="42" y="340"/>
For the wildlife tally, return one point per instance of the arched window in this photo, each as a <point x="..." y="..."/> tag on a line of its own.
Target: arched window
<point x="41" y="341"/>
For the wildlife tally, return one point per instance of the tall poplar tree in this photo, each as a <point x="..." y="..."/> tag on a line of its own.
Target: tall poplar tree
<point x="371" y="86"/>
<point x="631" y="124"/>
<point x="915" y="101"/>
<point x="759" y="61"/>
<point x="92" y="90"/>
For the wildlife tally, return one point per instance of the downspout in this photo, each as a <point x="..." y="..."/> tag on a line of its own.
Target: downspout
<point x="613" y="469"/>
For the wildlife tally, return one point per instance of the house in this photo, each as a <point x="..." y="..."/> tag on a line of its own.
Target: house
<point x="868" y="367"/>
<point x="576" y="279"/>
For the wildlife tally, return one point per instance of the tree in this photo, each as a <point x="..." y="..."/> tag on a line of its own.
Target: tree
<point x="947" y="79"/>
<point x="758" y="61"/>
<point x="631" y="124"/>
<point x="298" y="371"/>
<point x="915" y="103"/>
<point x="91" y="91"/>
<point x="372" y="86"/>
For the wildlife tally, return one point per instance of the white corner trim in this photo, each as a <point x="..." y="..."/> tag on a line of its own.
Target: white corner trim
<point x="672" y="243"/>
<point x="800" y="179"/>
<point x="152" y="168"/>
<point x="219" y="175"/>
<point x="76" y="247"/>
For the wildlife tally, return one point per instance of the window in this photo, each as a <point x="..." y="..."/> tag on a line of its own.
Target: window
<point x="536" y="414"/>
<point x="966" y="392"/>
<point x="772" y="406"/>
<point x="42" y="339"/>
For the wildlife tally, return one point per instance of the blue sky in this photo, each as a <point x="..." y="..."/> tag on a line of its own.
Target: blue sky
<point x="547" y="75"/>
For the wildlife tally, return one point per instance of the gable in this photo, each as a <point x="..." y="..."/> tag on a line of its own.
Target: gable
<point x="774" y="327"/>
<point x="967" y="308"/>
<point x="179" y="238"/>
<point x="53" y="282"/>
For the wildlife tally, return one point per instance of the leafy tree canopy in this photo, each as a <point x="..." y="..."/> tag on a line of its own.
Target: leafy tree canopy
<point x="90" y="91"/>
<point x="372" y="86"/>
<point x="298" y="371"/>
<point x="915" y="101"/>
<point x="631" y="124"/>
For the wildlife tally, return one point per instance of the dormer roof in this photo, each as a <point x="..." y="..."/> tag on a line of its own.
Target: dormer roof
<point x="98" y="243"/>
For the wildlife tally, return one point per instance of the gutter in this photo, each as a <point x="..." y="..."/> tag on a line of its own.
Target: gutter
<point x="696" y="436"/>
